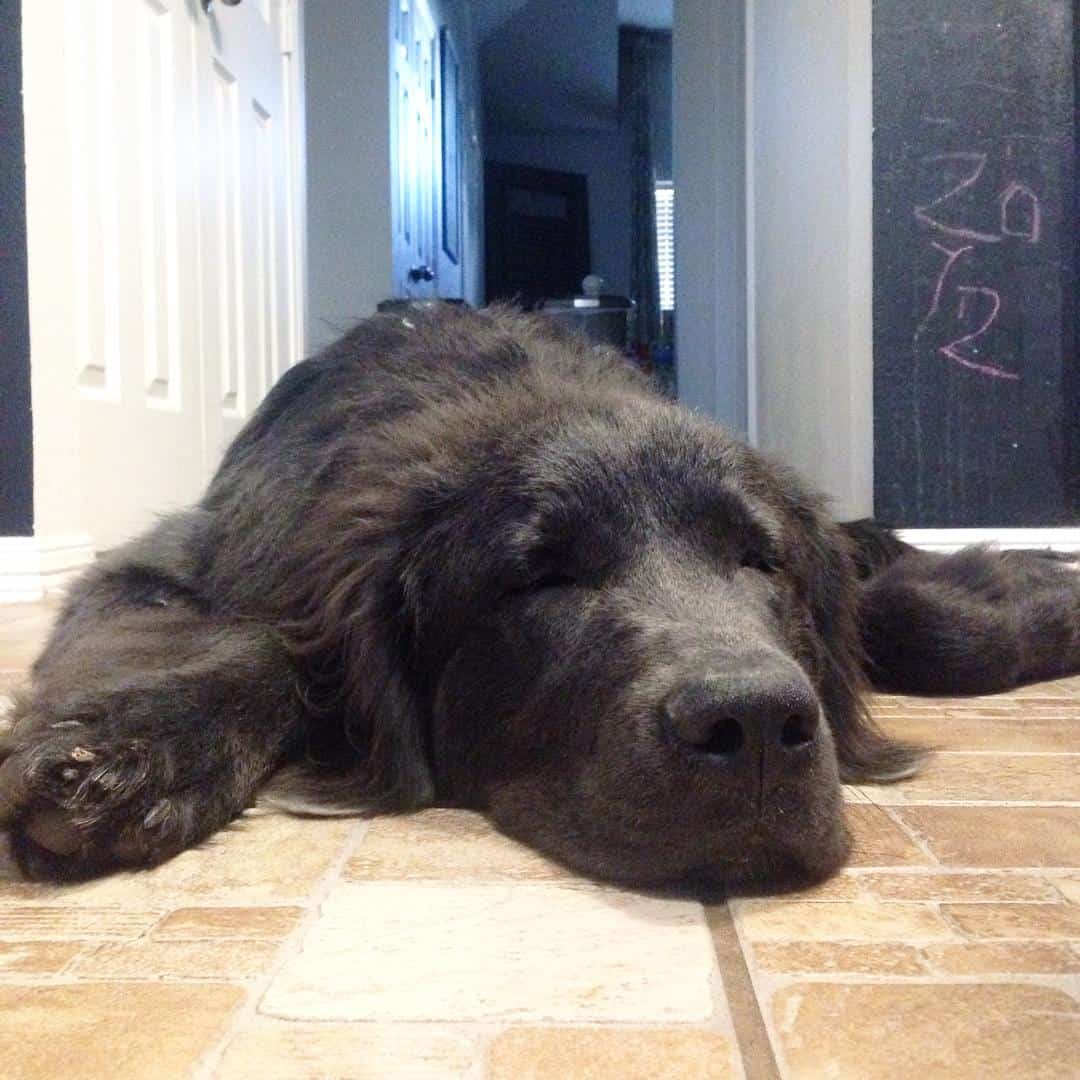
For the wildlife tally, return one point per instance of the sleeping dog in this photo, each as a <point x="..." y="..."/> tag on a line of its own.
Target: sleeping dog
<point x="465" y="559"/>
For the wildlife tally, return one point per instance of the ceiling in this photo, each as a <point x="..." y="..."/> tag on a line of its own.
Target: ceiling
<point x="489" y="15"/>
<point x="553" y="64"/>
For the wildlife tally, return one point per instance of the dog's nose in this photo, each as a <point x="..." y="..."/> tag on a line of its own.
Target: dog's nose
<point x="735" y="717"/>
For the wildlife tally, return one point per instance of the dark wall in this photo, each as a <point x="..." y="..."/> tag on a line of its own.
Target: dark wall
<point x="16" y="433"/>
<point x="976" y="406"/>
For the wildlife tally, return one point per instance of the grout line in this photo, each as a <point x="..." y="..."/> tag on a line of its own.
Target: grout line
<point x="751" y="1033"/>
<point x="1008" y="803"/>
<point x="907" y="830"/>
<point x="289" y="947"/>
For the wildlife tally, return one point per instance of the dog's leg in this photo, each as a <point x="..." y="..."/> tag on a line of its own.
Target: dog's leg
<point x="977" y="622"/>
<point x="149" y="723"/>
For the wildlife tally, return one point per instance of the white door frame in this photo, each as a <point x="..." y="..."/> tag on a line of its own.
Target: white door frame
<point x="773" y="264"/>
<point x="713" y="304"/>
<point x="774" y="241"/>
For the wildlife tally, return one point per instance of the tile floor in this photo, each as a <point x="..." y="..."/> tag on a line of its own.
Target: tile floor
<point x="429" y="946"/>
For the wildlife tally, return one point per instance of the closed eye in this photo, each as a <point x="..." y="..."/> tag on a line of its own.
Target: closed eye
<point x="756" y="560"/>
<point x="547" y="581"/>
<point x="553" y="580"/>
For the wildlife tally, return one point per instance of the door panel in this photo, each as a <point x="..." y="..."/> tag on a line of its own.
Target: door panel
<point x="175" y="225"/>
<point x="134" y="260"/>
<point x="250" y="332"/>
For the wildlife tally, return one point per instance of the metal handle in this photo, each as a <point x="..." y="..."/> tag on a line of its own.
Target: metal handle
<point x="207" y="5"/>
<point x="421" y="273"/>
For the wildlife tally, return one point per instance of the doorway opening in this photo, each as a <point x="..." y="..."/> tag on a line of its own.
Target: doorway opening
<point x="531" y="162"/>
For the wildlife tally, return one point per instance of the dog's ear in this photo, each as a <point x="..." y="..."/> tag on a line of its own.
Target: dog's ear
<point x="354" y="657"/>
<point x="864" y="752"/>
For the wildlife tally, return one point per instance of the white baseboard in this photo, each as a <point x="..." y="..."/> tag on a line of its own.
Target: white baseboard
<point x="946" y="540"/>
<point x="34" y="568"/>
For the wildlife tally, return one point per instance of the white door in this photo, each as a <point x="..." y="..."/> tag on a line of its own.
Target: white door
<point x="250" y="166"/>
<point x="173" y="232"/>
<point x="414" y="148"/>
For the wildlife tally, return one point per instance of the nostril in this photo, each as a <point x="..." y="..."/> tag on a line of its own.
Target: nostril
<point x="726" y="737"/>
<point x="798" y="730"/>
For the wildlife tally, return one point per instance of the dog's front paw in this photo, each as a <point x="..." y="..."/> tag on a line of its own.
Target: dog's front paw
<point x="81" y="797"/>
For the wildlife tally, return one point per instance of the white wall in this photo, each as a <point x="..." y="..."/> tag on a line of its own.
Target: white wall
<point x="347" y="44"/>
<point x="710" y="208"/>
<point x="810" y="232"/>
<point x="348" y="154"/>
<point x="773" y="145"/>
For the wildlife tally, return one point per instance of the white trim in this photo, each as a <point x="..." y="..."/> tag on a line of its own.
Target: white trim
<point x="750" y="224"/>
<point x="947" y="540"/>
<point x="32" y="568"/>
<point x="807" y="252"/>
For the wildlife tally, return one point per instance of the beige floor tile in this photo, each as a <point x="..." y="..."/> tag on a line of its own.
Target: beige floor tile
<point x="624" y="1054"/>
<point x="243" y="923"/>
<point x="842" y="886"/>
<point x="1068" y="885"/>
<point x="524" y="952"/>
<point x="884" y="704"/>
<point x="95" y="1030"/>
<point x="447" y="845"/>
<point x="970" y="887"/>
<point x="957" y="777"/>
<point x="782" y="920"/>
<point x="284" y="1051"/>
<point x="33" y="922"/>
<point x="878" y="841"/>
<point x="10" y="679"/>
<point x="998" y="835"/>
<point x="1025" y="921"/>
<point x="25" y="625"/>
<point x="263" y="858"/>
<point x="21" y="644"/>
<point x="896" y="1032"/>
<point x="1009" y="731"/>
<point x="1055" y="688"/>
<point x="37" y="957"/>
<point x="1009" y="958"/>
<point x="805" y="957"/>
<point x="177" y="959"/>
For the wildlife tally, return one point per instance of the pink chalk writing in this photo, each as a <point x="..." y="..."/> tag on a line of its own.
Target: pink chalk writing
<point x="1020" y="218"/>
<point x="960" y="231"/>
<point x="939" y="285"/>
<point x="952" y="350"/>
<point x="1021" y="214"/>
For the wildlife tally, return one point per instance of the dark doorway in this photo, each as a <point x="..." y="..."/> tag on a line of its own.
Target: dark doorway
<point x="536" y="234"/>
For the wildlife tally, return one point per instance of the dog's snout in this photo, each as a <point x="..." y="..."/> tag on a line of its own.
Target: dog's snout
<point x="734" y="717"/>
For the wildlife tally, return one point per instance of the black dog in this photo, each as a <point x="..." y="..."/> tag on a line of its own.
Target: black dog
<point x="465" y="559"/>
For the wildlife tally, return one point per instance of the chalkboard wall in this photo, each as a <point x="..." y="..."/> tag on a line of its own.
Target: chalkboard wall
<point x="976" y="387"/>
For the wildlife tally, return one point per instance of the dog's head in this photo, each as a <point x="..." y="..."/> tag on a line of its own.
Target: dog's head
<point x="626" y="636"/>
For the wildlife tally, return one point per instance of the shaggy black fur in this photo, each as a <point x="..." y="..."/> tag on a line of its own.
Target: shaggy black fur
<point x="463" y="558"/>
